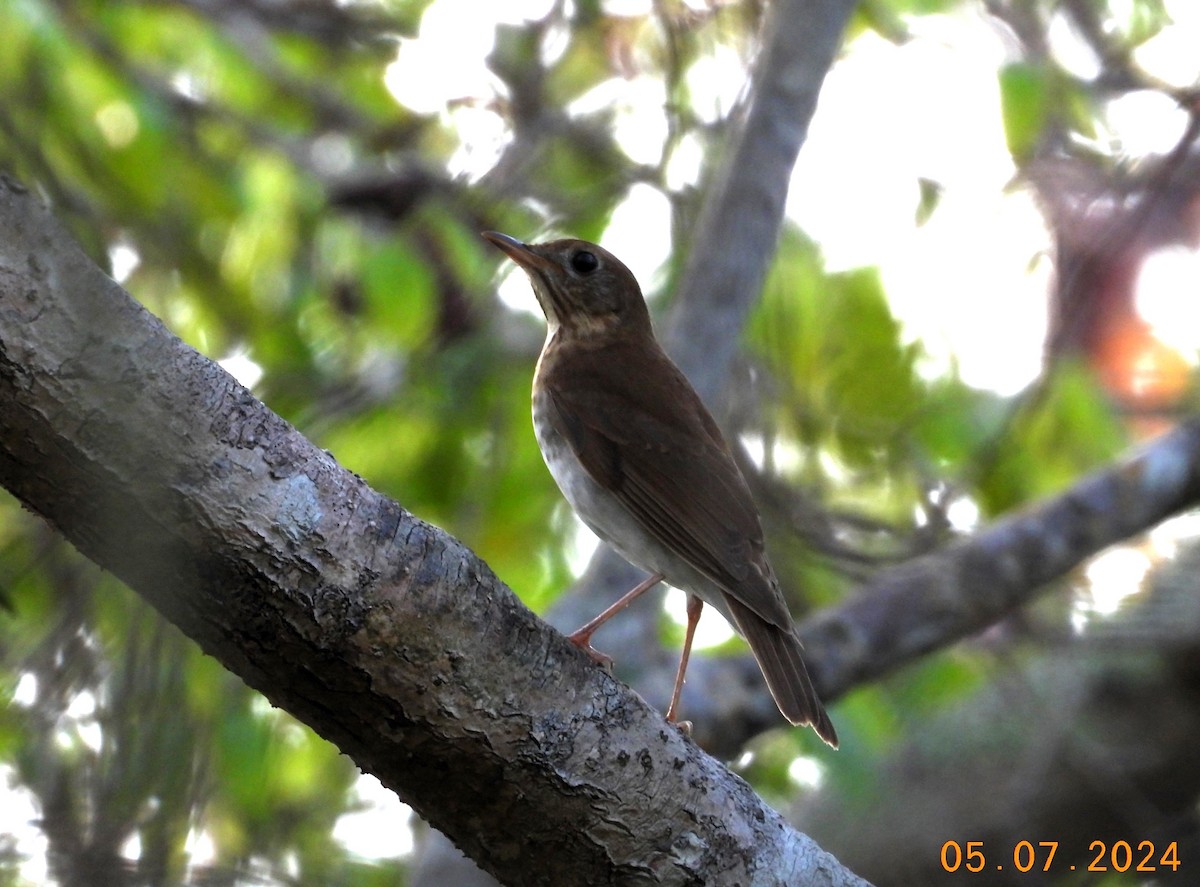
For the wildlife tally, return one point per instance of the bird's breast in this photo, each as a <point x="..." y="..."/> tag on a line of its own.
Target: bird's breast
<point x="596" y="506"/>
<point x="604" y="514"/>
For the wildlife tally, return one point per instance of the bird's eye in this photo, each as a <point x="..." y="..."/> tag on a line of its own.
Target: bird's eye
<point x="584" y="262"/>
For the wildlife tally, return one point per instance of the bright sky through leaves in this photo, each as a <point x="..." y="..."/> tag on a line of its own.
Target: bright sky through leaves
<point x="970" y="283"/>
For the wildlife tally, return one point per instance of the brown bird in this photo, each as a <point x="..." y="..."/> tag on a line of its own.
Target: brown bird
<point x="643" y="464"/>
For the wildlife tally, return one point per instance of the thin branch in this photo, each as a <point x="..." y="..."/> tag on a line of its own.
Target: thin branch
<point x="738" y="226"/>
<point x="932" y="601"/>
<point x="1092" y="739"/>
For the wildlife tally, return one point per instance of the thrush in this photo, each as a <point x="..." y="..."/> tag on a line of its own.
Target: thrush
<point x="644" y="465"/>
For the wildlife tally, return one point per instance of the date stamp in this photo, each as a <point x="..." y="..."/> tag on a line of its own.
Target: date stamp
<point x="1027" y="856"/>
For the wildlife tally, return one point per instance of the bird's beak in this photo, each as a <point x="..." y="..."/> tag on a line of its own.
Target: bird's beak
<point x="519" y="252"/>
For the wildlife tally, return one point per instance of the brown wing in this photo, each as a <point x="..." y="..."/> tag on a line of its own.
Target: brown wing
<point x="649" y="439"/>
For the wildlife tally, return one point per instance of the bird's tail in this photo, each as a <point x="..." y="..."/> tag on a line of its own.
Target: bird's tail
<point x="781" y="659"/>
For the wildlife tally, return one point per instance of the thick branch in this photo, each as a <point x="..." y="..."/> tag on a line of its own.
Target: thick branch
<point x="383" y="633"/>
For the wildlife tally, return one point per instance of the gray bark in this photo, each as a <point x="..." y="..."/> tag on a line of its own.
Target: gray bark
<point x="383" y="633"/>
<point x="738" y="228"/>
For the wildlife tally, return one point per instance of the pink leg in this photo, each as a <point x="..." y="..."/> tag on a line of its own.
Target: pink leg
<point x="694" y="608"/>
<point x="582" y="637"/>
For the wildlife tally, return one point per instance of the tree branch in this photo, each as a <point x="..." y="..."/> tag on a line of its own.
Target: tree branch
<point x="932" y="601"/>
<point x="383" y="633"/>
<point x="1090" y="740"/>
<point x="738" y="226"/>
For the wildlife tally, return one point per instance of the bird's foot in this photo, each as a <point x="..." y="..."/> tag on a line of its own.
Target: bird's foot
<point x="583" y="642"/>
<point x="684" y="727"/>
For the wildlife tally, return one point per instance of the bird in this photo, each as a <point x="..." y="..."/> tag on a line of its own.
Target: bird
<point x="643" y="464"/>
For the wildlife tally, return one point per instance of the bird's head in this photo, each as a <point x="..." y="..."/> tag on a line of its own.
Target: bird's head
<point x="583" y="289"/>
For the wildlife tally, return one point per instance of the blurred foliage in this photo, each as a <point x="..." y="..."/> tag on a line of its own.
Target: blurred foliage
<point x="245" y="170"/>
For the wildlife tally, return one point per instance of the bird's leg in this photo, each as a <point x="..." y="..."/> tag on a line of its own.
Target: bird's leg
<point x="694" y="607"/>
<point x="582" y="637"/>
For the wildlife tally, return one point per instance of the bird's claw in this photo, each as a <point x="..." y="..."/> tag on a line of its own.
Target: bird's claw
<point x="602" y="659"/>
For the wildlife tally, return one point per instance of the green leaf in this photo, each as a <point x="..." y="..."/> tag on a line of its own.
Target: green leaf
<point x="1024" y="106"/>
<point x="1146" y="19"/>
<point x="1068" y="430"/>
<point x="931" y="196"/>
